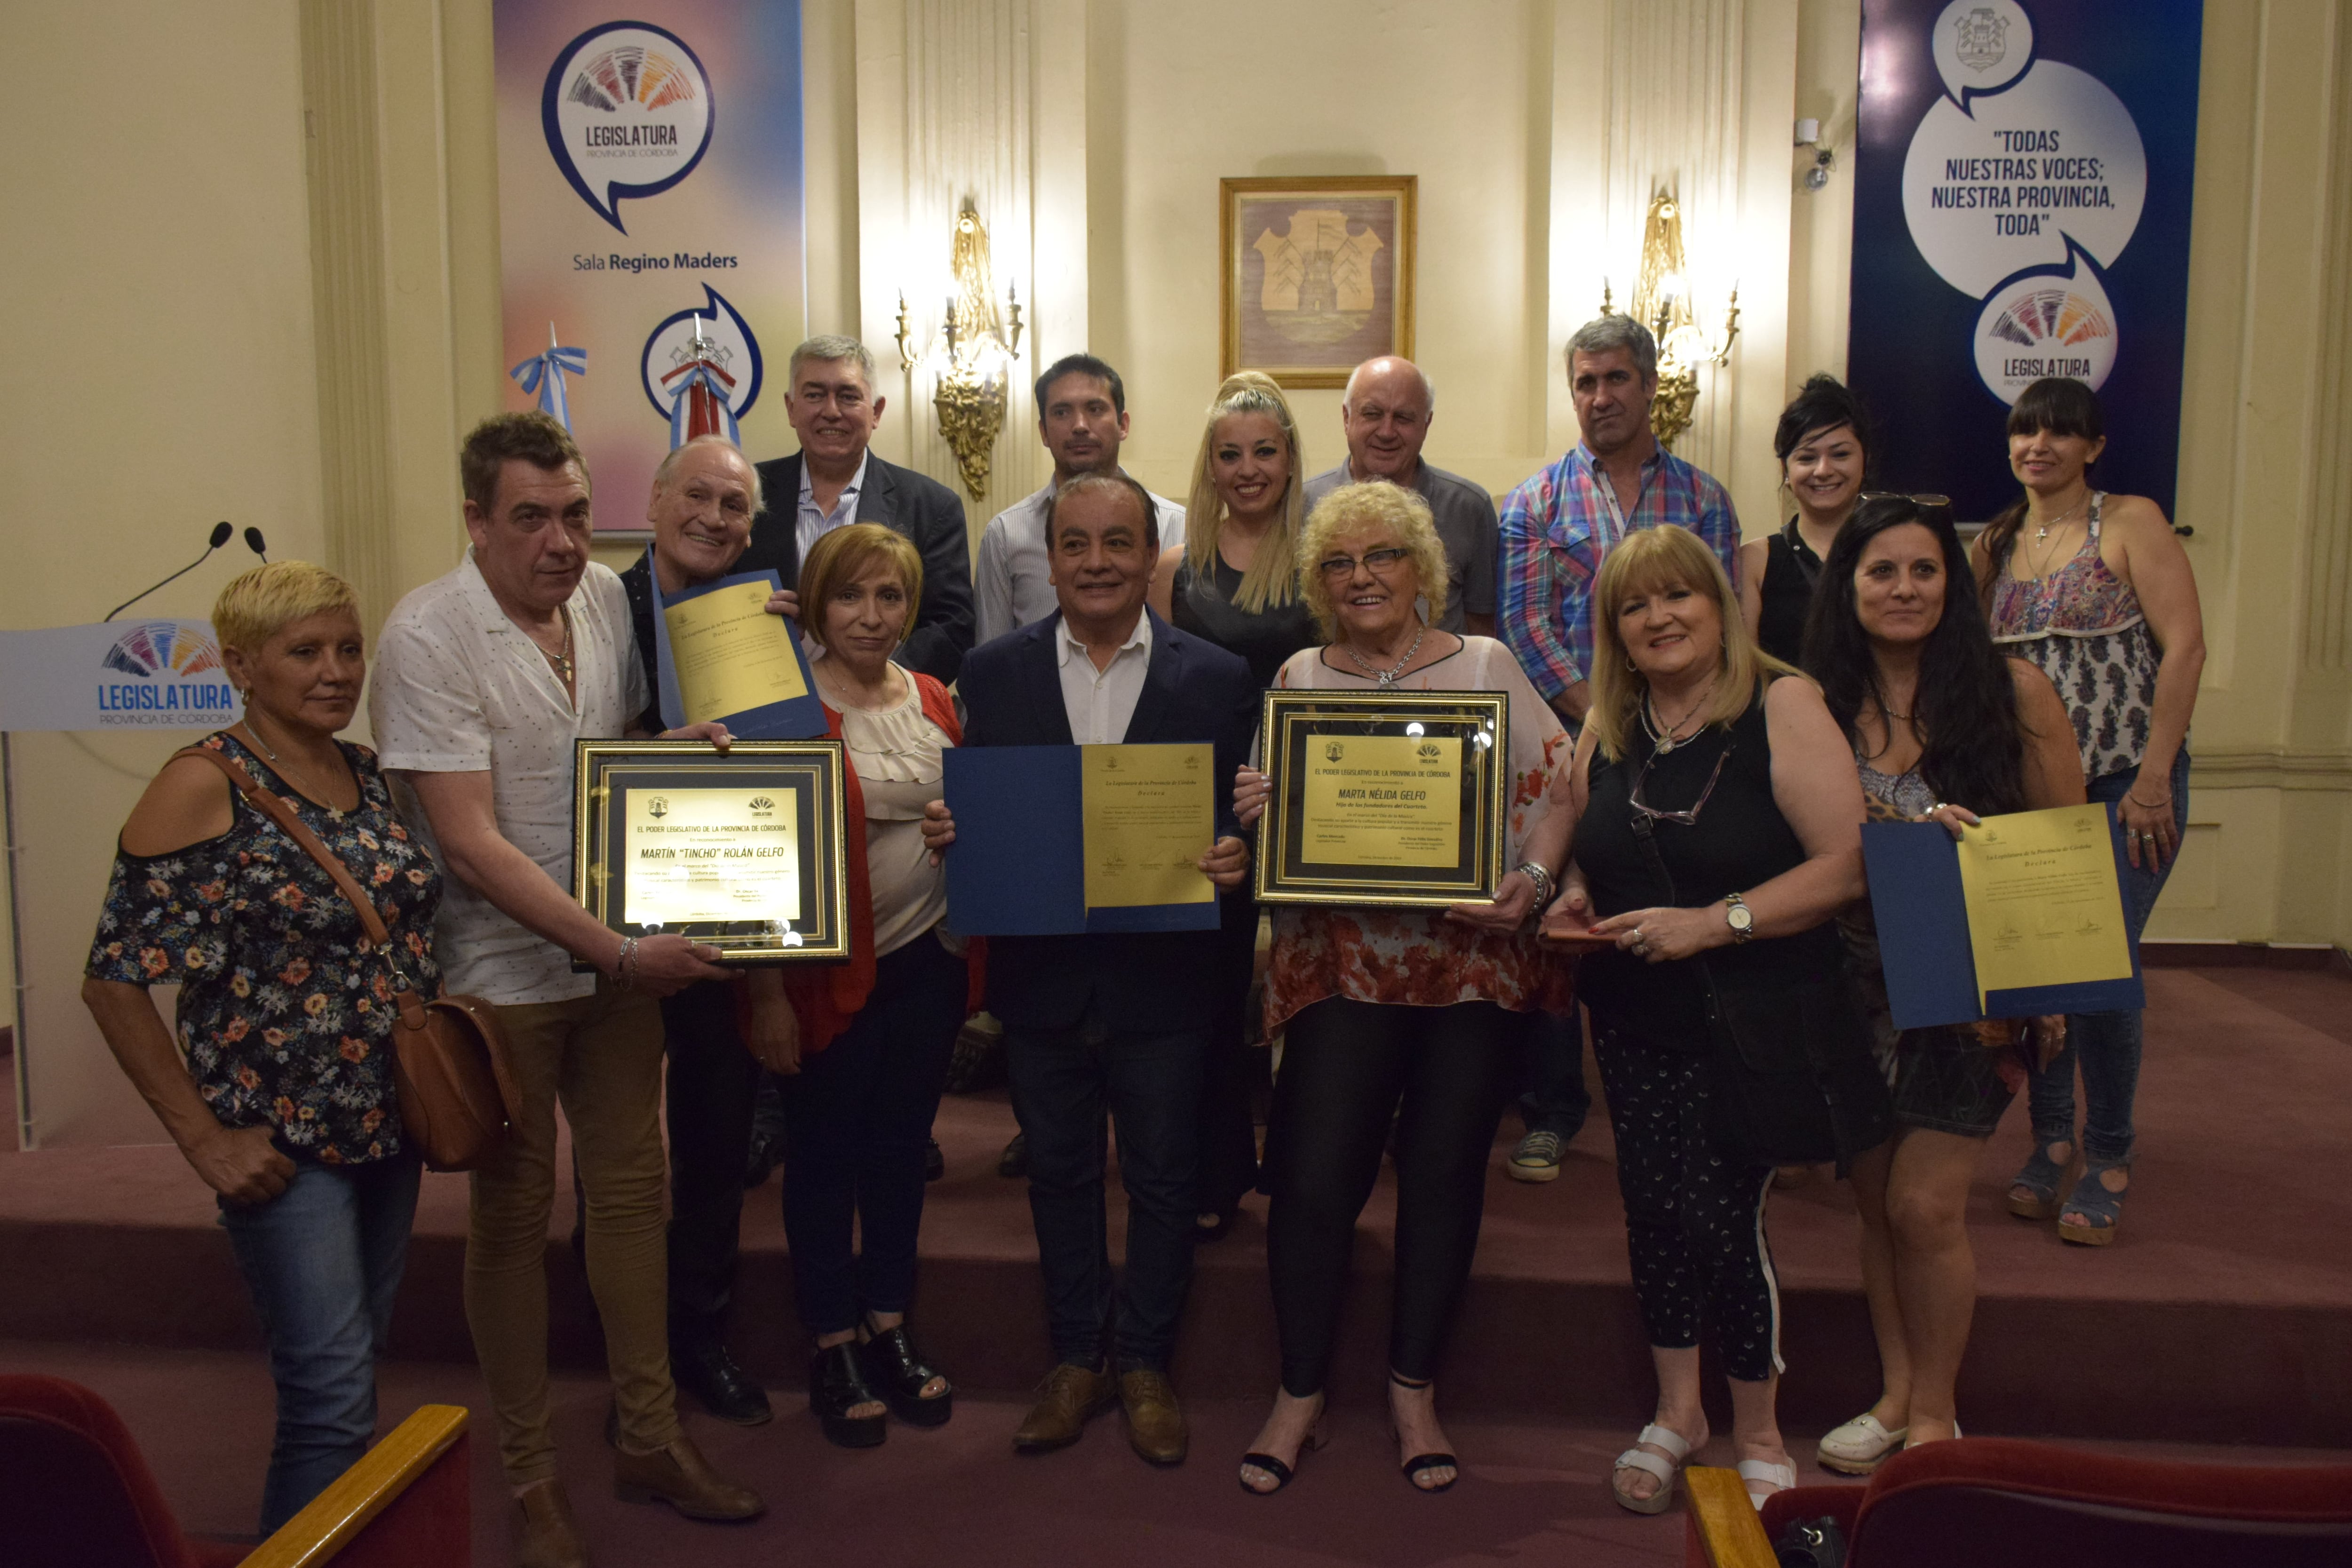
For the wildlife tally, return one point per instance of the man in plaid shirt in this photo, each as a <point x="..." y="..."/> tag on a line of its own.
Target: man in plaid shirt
<point x="1557" y="526"/>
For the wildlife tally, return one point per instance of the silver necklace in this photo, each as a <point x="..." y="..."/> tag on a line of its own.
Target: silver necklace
<point x="1386" y="678"/>
<point x="2043" y="533"/>
<point x="1665" y="739"/>
<point x="301" y="780"/>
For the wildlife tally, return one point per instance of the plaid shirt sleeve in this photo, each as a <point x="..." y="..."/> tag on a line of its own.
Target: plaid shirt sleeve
<point x="1717" y="525"/>
<point x="1542" y="623"/>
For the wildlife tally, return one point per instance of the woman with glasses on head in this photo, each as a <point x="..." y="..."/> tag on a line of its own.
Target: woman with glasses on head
<point x="2097" y="592"/>
<point x="1719" y="822"/>
<point x="1411" y="1018"/>
<point x="1237" y="586"/>
<point x="1934" y="715"/>
<point x="1823" y="445"/>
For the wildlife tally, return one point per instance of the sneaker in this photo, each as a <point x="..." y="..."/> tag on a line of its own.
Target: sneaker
<point x="1537" y="1159"/>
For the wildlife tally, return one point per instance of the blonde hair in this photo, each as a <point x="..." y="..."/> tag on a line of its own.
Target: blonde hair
<point x="259" y="603"/>
<point x="1649" y="561"/>
<point x="843" y="556"/>
<point x="1272" y="576"/>
<point x="1359" y="508"/>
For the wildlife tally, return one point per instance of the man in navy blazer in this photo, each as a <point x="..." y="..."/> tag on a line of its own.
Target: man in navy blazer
<point x="1116" y="1022"/>
<point x="833" y="480"/>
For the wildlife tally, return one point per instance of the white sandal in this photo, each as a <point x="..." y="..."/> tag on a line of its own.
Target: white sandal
<point x="1860" y="1445"/>
<point x="1763" y="1472"/>
<point x="1666" y="1470"/>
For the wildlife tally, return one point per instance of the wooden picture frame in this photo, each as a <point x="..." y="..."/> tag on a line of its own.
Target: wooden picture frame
<point x="1307" y="315"/>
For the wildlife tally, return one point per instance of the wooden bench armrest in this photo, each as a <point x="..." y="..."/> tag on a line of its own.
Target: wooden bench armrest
<point x="1727" y="1522"/>
<point x="321" y="1530"/>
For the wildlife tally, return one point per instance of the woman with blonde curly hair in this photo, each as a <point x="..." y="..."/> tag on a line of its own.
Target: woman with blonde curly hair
<point x="1413" y="1018"/>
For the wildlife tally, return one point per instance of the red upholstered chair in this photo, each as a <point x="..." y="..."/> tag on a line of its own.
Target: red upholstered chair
<point x="74" y="1493"/>
<point x="1995" y="1500"/>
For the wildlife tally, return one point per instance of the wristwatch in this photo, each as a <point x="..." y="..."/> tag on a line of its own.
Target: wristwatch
<point x="1742" y="919"/>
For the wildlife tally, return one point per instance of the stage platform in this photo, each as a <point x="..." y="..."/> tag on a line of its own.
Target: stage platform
<point x="2221" y="1314"/>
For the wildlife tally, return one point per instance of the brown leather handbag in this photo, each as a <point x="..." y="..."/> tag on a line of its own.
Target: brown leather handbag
<point x="456" y="1096"/>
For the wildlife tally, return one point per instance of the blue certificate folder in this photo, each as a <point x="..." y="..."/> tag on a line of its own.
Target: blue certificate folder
<point x="801" y="719"/>
<point x="1018" y="864"/>
<point x="1923" y="937"/>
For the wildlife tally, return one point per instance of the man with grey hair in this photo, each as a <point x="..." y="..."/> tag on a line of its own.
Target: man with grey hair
<point x="1558" y="525"/>
<point x="1385" y="413"/>
<point x="833" y="479"/>
<point x="1555" y="528"/>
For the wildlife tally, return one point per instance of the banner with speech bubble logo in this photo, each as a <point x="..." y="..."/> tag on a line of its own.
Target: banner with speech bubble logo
<point x="2022" y="175"/>
<point x="649" y="172"/>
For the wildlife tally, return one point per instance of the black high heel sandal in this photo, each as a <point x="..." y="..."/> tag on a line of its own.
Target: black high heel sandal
<point x="836" y="1386"/>
<point x="900" y="1371"/>
<point x="1421" y="1465"/>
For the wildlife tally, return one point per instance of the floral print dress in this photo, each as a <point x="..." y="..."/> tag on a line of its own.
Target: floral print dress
<point x="1417" y="957"/>
<point x="285" y="1011"/>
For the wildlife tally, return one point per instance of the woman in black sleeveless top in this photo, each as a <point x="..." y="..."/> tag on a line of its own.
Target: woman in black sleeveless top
<point x="1237" y="586"/>
<point x="1823" y="445"/>
<point x="1718" y="827"/>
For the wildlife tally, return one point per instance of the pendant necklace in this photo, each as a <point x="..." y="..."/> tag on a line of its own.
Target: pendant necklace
<point x="1387" y="678"/>
<point x="294" y="776"/>
<point x="563" y="660"/>
<point x="1665" y="739"/>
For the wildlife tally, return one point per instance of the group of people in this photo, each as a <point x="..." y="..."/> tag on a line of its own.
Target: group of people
<point x="1689" y="766"/>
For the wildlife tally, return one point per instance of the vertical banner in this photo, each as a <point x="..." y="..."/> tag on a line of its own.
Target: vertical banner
<point x="2021" y="190"/>
<point x="649" y="181"/>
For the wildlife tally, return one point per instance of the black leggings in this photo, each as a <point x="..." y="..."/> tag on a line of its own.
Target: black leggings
<point x="1694" y="1221"/>
<point x="1345" y="1064"/>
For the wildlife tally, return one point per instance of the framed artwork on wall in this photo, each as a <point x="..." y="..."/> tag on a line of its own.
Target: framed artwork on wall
<point x="1315" y="274"/>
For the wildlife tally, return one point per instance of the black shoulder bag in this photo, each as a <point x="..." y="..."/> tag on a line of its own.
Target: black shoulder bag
<point x="1790" y="1076"/>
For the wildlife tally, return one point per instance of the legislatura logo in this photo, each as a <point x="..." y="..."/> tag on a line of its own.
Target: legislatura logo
<point x="1429" y="751"/>
<point x="168" y="664"/>
<point x="628" y="113"/>
<point x="762" y="807"/>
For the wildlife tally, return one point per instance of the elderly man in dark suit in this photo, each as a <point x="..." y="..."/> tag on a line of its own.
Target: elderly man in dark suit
<point x="1109" y="1022"/>
<point x="833" y="480"/>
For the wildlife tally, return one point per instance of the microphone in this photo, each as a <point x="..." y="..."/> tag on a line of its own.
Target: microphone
<point x="221" y="531"/>
<point x="253" y="542"/>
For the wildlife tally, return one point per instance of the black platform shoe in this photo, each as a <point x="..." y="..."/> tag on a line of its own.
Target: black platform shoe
<point x="895" y="1366"/>
<point x="836" y="1386"/>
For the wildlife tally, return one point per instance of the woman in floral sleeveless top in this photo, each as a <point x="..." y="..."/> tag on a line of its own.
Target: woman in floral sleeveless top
<point x="285" y="1105"/>
<point x="2097" y="592"/>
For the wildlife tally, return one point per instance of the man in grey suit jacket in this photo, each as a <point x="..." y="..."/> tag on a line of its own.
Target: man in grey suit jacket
<point x="833" y="479"/>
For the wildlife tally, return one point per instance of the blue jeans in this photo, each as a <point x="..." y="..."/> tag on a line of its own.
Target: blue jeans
<point x="1556" y="1099"/>
<point x="1063" y="1080"/>
<point x="323" y="1261"/>
<point x="2107" y="1044"/>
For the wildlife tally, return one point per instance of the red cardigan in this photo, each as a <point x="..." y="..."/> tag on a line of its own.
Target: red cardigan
<point x="826" y="998"/>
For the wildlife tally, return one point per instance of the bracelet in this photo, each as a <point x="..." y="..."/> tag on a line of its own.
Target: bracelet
<point x="2147" y="804"/>
<point x="1536" y="873"/>
<point x="624" y="967"/>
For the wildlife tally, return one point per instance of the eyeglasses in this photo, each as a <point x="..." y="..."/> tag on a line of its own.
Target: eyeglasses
<point x="1379" y="563"/>
<point x="1943" y="501"/>
<point x="1646" y="813"/>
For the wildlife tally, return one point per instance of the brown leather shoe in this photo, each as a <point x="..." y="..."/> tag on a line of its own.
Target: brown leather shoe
<point x="1155" y="1425"/>
<point x="678" y="1477"/>
<point x="550" y="1535"/>
<point x="1067" y="1396"/>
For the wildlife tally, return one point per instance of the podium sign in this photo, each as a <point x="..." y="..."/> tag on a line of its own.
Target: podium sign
<point x="116" y="675"/>
<point x="139" y="678"/>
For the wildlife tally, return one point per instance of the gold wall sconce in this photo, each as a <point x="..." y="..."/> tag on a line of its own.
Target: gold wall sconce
<point x="1662" y="301"/>
<point x="970" y="354"/>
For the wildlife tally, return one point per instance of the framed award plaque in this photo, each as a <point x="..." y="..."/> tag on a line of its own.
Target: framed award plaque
<point x="741" y="849"/>
<point x="1383" y="797"/>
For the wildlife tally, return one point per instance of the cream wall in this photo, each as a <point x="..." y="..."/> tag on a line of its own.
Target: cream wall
<point x="166" y="264"/>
